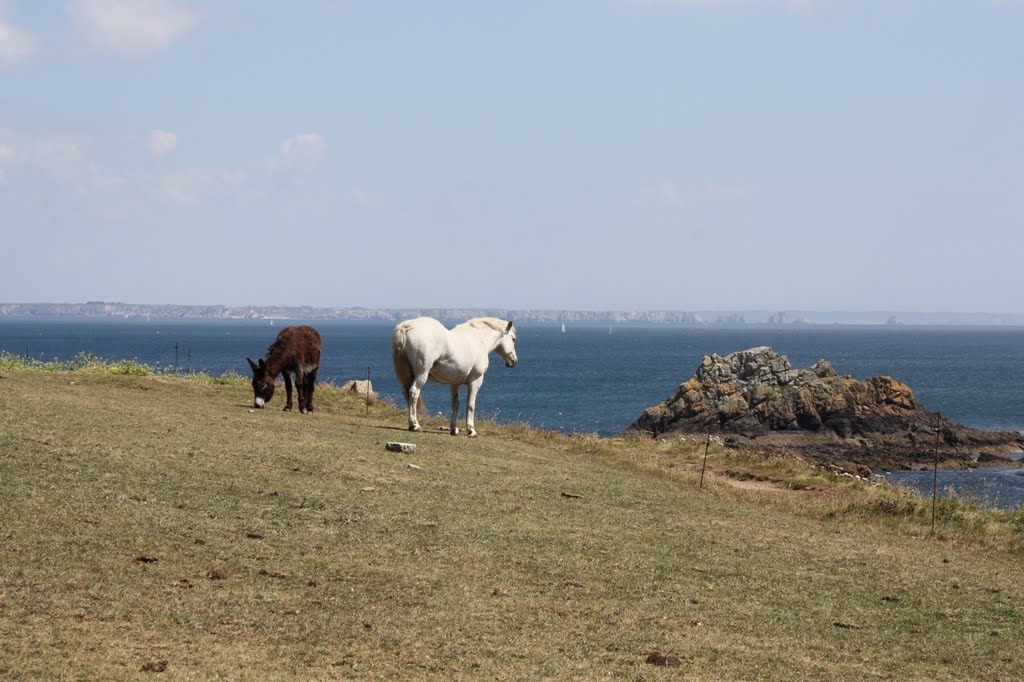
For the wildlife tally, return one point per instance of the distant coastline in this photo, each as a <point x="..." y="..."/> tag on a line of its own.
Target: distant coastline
<point x="99" y="309"/>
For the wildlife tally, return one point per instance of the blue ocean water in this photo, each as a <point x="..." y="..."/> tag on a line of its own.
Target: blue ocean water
<point x="591" y="378"/>
<point x="991" y="486"/>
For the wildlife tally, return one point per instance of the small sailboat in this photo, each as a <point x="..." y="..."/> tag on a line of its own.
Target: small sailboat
<point x="563" y="327"/>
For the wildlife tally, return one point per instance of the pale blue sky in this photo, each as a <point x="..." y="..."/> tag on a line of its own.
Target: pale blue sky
<point x="595" y="154"/>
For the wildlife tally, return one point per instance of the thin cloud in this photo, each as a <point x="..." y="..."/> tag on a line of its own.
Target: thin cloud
<point x="16" y="44"/>
<point x="5" y="153"/>
<point x="131" y="28"/>
<point x="793" y="5"/>
<point x="362" y="197"/>
<point x="686" y="3"/>
<point x="205" y="185"/>
<point x="304" y="150"/>
<point x="119" y="173"/>
<point x="245" y="182"/>
<point x="668" y="193"/>
<point x="58" y="165"/>
<point x="162" y="142"/>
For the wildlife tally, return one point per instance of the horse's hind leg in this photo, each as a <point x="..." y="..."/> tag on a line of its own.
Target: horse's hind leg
<point x="288" y="392"/>
<point x="414" y="401"/>
<point x="310" y="385"/>
<point x="455" y="410"/>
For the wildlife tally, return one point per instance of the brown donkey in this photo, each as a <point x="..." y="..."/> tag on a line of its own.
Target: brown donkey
<point x="295" y="351"/>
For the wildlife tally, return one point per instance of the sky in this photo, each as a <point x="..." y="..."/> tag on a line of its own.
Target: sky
<point x="577" y="154"/>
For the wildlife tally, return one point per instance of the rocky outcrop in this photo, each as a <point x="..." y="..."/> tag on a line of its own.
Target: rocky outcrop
<point x="759" y="401"/>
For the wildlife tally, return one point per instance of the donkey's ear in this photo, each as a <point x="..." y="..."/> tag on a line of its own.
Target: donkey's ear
<point x="263" y="364"/>
<point x="509" y="327"/>
<point x="252" y="364"/>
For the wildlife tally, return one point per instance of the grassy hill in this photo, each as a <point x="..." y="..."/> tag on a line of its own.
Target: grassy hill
<point x="158" y="526"/>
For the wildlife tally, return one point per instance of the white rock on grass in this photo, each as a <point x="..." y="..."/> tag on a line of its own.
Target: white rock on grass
<point x="395" y="446"/>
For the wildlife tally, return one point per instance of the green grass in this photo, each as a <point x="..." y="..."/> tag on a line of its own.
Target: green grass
<point x="88" y="363"/>
<point x="159" y="521"/>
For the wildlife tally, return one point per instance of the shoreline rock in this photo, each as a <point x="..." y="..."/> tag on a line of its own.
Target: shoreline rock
<point x="760" y="402"/>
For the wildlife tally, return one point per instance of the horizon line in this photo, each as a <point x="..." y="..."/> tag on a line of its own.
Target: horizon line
<point x="544" y="309"/>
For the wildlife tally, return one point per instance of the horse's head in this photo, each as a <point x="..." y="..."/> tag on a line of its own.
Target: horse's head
<point x="262" y="383"/>
<point x="506" y="347"/>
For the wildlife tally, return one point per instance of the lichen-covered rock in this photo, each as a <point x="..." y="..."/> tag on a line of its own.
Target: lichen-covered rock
<point x="361" y="387"/>
<point x="758" y="394"/>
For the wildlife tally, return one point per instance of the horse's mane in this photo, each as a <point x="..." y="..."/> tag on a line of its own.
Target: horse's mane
<point x="492" y="322"/>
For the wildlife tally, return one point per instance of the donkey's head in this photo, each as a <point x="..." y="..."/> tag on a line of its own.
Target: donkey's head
<point x="262" y="383"/>
<point x="506" y="347"/>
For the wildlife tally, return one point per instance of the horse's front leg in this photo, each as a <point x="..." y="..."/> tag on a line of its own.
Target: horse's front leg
<point x="455" y="410"/>
<point x="471" y="391"/>
<point x="288" y="392"/>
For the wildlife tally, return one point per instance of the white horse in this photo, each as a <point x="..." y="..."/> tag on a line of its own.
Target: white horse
<point x="423" y="349"/>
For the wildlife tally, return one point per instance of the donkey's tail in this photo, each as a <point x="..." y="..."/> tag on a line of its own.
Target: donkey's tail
<point x="403" y="368"/>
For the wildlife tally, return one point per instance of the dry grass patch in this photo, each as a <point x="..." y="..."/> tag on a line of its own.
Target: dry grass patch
<point x="161" y="527"/>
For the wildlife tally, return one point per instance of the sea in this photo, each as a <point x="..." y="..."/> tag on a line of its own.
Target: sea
<point x="597" y="378"/>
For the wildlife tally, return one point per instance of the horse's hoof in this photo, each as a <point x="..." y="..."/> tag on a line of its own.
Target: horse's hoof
<point x="472" y="434"/>
<point x="454" y="432"/>
<point x="287" y="408"/>
<point x="415" y="428"/>
<point x="303" y="410"/>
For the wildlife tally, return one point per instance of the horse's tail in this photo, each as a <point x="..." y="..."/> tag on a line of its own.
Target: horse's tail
<point x="403" y="368"/>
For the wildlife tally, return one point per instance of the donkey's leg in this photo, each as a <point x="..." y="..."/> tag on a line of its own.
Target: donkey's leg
<point x="471" y="391"/>
<point x="414" y="399"/>
<point x="310" y="385"/>
<point x="288" y="391"/>
<point x="455" y="410"/>
<point x="300" y="385"/>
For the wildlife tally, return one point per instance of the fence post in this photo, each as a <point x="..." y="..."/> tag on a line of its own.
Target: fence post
<point x="367" y="391"/>
<point x="704" y="466"/>
<point x="935" y="468"/>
